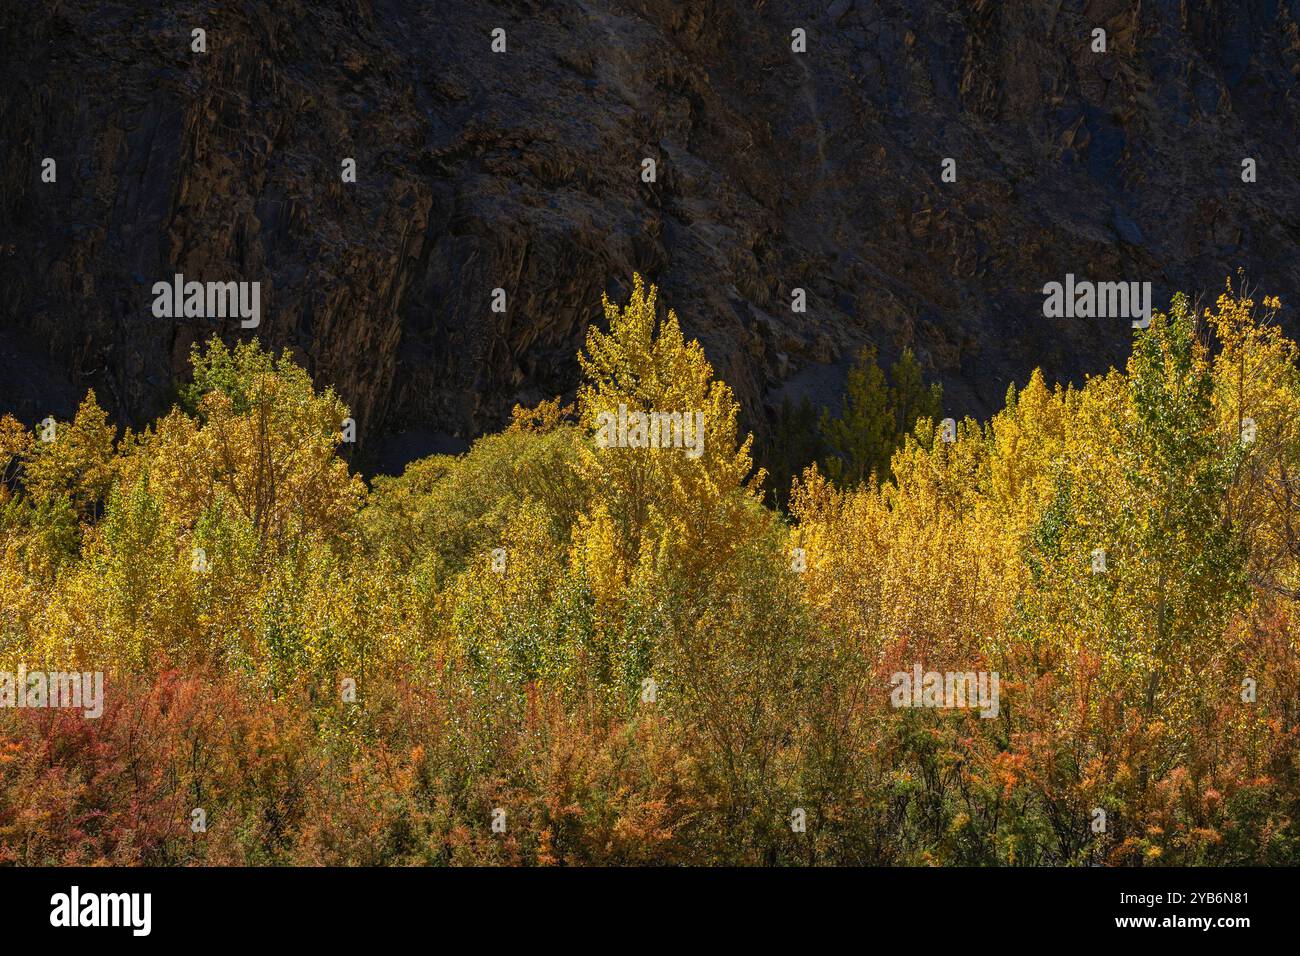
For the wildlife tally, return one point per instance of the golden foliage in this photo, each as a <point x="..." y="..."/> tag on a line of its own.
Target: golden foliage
<point x="626" y="649"/>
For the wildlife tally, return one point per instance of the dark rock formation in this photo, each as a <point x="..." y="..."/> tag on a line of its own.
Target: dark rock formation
<point x="522" y="170"/>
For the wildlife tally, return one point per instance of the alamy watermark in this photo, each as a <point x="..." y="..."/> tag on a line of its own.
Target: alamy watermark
<point x="1083" y="299"/>
<point x="130" y="910"/>
<point x="79" y="691"/>
<point x="209" y="300"/>
<point x="684" y="430"/>
<point x="948" y="690"/>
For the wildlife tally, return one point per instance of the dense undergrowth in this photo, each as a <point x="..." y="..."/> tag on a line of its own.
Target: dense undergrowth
<point x="617" y="648"/>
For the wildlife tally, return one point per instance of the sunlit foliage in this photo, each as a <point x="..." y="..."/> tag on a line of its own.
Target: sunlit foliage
<point x="634" y="657"/>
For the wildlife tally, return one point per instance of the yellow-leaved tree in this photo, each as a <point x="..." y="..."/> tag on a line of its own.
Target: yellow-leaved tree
<point x="689" y="574"/>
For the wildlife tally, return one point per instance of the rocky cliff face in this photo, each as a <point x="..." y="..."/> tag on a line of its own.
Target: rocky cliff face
<point x="522" y="170"/>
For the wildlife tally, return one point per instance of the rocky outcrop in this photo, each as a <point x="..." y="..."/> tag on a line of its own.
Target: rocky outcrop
<point x="522" y="170"/>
